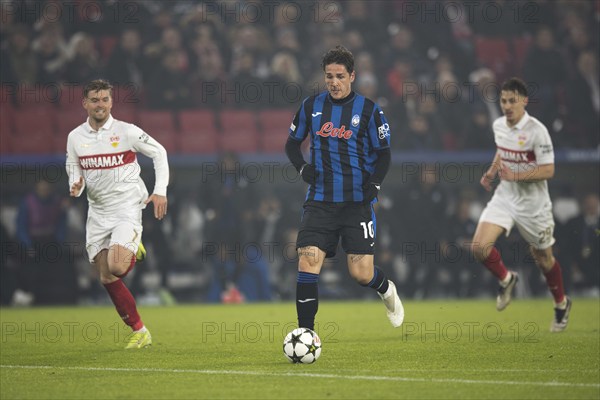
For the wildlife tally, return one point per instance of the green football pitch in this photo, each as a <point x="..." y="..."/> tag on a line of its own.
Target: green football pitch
<point x="445" y="349"/>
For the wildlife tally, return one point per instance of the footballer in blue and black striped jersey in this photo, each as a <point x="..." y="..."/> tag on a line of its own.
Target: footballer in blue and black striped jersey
<point x="349" y="158"/>
<point x="345" y="136"/>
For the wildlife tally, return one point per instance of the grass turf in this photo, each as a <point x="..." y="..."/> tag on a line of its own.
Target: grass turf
<point x="445" y="349"/>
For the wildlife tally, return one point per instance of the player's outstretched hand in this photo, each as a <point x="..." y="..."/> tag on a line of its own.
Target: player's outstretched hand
<point x="370" y="191"/>
<point x="308" y="173"/>
<point x="160" y="205"/>
<point x="76" y="187"/>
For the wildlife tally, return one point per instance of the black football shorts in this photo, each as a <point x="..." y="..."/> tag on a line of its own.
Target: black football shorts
<point x="323" y="223"/>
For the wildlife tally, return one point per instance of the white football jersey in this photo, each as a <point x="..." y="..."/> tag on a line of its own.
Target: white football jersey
<point x="108" y="163"/>
<point x="524" y="147"/>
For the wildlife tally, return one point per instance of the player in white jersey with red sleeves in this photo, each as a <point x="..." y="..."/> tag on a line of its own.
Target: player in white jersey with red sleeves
<point x="524" y="162"/>
<point x="101" y="157"/>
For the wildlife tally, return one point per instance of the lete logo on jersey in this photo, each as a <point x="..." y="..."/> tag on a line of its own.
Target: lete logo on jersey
<point x="327" y="130"/>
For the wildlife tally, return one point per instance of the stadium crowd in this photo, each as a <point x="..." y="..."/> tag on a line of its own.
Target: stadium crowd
<point x="435" y="68"/>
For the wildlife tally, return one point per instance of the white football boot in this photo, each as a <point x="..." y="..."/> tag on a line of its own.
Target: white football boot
<point x="395" y="310"/>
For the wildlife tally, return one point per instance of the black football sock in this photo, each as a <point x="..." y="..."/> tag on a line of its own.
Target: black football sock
<point x="307" y="299"/>
<point x="379" y="281"/>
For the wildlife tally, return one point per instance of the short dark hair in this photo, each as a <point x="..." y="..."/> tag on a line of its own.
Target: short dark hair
<point x="96" y="85"/>
<point x="339" y="55"/>
<point x="515" y="85"/>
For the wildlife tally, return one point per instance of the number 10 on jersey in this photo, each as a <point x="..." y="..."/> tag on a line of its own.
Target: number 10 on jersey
<point x="368" y="229"/>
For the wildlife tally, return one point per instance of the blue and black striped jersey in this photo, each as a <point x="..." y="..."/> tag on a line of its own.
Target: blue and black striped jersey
<point x="344" y="139"/>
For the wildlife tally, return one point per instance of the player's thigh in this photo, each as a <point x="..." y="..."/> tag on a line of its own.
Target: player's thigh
<point x="127" y="232"/>
<point x="359" y="229"/>
<point x="319" y="227"/>
<point x="101" y="265"/>
<point x="537" y="230"/>
<point x="97" y="235"/>
<point x="486" y="234"/>
<point x="495" y="220"/>
<point x="119" y="259"/>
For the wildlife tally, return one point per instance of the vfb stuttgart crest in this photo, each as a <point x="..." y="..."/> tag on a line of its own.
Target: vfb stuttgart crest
<point x="114" y="141"/>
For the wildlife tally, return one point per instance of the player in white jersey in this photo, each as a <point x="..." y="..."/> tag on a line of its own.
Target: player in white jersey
<point x="524" y="161"/>
<point x="101" y="157"/>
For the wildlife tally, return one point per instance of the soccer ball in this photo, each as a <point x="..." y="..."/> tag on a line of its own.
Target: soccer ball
<point x="302" y="345"/>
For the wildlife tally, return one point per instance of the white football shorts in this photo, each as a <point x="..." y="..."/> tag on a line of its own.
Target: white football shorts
<point x="103" y="231"/>
<point x="536" y="228"/>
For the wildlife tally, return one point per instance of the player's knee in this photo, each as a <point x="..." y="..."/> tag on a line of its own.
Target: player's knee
<point x="105" y="279"/>
<point x="544" y="261"/>
<point x="307" y="264"/>
<point x="362" y="277"/>
<point x="118" y="268"/>
<point x="308" y="260"/>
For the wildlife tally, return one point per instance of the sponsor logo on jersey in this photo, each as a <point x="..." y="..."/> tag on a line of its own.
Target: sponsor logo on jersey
<point x="327" y="130"/>
<point x="516" y="156"/>
<point x="105" y="161"/>
<point x="144" y="137"/>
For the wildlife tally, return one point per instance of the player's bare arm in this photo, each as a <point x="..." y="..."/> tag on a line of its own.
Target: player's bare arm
<point x="160" y="205"/>
<point x="532" y="174"/>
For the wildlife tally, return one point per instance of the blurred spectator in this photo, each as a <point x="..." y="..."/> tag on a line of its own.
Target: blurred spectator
<point x="23" y="61"/>
<point x="250" y="40"/>
<point x="161" y="20"/>
<point x="84" y="61"/>
<point x="46" y="271"/>
<point x="421" y="135"/>
<point x="10" y="269"/>
<point x="583" y="245"/>
<point x="403" y="45"/>
<point x="465" y="279"/>
<point x="485" y="93"/>
<point x="421" y="206"/>
<point x="226" y="197"/>
<point x="499" y="20"/>
<point x="209" y="55"/>
<point x="360" y="17"/>
<point x="478" y="133"/>
<point x="168" y="87"/>
<point x="579" y="41"/>
<point x="285" y="73"/>
<point x="454" y="107"/>
<point x="171" y="43"/>
<point x="402" y="91"/>
<point x="246" y="84"/>
<point x="127" y="63"/>
<point x="261" y="232"/>
<point x="52" y="54"/>
<point x="545" y="72"/>
<point x="583" y="103"/>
